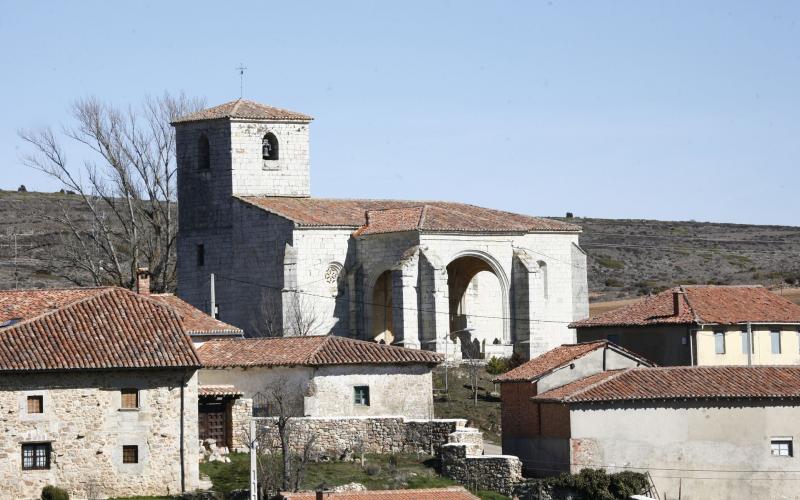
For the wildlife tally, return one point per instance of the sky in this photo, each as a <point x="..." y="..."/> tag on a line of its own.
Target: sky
<point x="679" y="110"/>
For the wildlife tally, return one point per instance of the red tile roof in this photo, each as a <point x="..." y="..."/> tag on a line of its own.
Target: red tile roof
<point x="452" y="493"/>
<point x="549" y="361"/>
<point x="682" y="382"/>
<point x="195" y="321"/>
<point x="701" y="304"/>
<point x="383" y="216"/>
<point x="95" y="328"/>
<point x="218" y="390"/>
<point x="244" y="109"/>
<point x="307" y="351"/>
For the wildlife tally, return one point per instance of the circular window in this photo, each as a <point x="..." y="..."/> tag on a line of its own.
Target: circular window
<point x="332" y="273"/>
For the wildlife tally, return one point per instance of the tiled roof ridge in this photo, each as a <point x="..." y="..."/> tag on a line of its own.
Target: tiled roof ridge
<point x="564" y="362"/>
<point x="422" y="215"/>
<point x="310" y="358"/>
<point x="102" y="290"/>
<point x="57" y="289"/>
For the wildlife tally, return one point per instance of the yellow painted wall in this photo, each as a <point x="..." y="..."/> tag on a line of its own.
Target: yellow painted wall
<point x="790" y="347"/>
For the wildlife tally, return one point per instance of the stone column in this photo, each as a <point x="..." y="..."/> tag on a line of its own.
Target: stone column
<point x="405" y="318"/>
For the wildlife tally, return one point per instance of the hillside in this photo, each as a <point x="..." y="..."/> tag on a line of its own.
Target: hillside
<point x="627" y="258"/>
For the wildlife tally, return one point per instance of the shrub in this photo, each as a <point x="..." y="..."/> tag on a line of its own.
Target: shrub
<point x="496" y="366"/>
<point x="597" y="484"/>
<point x="54" y="493"/>
<point x="372" y="469"/>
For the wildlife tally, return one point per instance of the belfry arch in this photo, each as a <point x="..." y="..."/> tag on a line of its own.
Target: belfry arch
<point x="478" y="292"/>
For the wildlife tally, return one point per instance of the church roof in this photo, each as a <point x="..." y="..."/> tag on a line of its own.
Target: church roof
<point x="244" y="109"/>
<point x="319" y="350"/>
<point x="389" y="216"/>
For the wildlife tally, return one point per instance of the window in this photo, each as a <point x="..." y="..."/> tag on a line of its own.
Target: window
<point x="775" y="338"/>
<point x="719" y="342"/>
<point x="201" y="255"/>
<point x="130" y="454"/>
<point x="129" y="399"/>
<point x="35" y="404"/>
<point x="545" y="284"/>
<point x="203" y="153"/>
<point x="361" y="395"/>
<point x="746" y="342"/>
<point x="781" y="447"/>
<point x="269" y="147"/>
<point x="260" y="405"/>
<point x="35" y="456"/>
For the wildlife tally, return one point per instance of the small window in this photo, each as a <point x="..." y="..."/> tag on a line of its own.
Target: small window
<point x="260" y="405"/>
<point x="201" y="255"/>
<point x="613" y="338"/>
<point x="746" y="342"/>
<point x="35" y="456"/>
<point x="361" y="395"/>
<point x="719" y="342"/>
<point x="129" y="399"/>
<point x="269" y="147"/>
<point x="203" y="153"/>
<point x="130" y="454"/>
<point x="35" y="404"/>
<point x="775" y="338"/>
<point x="781" y="447"/>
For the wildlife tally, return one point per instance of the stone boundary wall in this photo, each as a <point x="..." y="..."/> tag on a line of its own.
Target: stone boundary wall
<point x="499" y="473"/>
<point x="338" y="437"/>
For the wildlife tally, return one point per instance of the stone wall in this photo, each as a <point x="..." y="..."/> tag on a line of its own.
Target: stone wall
<point x="481" y="472"/>
<point x="86" y="427"/>
<point x="339" y="437"/>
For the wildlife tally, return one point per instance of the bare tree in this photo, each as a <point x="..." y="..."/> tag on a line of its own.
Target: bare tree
<point x="128" y="188"/>
<point x="299" y="317"/>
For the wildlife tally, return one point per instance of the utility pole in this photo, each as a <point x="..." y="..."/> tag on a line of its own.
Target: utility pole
<point x="213" y="311"/>
<point x="253" y="455"/>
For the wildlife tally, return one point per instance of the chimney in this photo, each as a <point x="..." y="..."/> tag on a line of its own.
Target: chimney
<point x="143" y="281"/>
<point x="677" y="300"/>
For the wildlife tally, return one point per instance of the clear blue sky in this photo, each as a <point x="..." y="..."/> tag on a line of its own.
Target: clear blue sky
<point x="666" y="110"/>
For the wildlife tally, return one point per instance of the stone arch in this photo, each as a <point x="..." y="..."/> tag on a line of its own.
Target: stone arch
<point x="545" y="279"/>
<point x="380" y="324"/>
<point x="463" y="268"/>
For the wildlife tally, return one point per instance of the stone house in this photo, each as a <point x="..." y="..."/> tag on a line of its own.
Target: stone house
<point x="320" y="376"/>
<point x="446" y="277"/>
<point x="532" y="429"/>
<point x="98" y="392"/>
<point x="701" y="432"/>
<point x="704" y="325"/>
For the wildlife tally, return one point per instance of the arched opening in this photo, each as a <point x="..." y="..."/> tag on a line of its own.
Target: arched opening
<point x="269" y="147"/>
<point x="381" y="330"/>
<point x="477" y="298"/>
<point x="203" y="153"/>
<point x="545" y="281"/>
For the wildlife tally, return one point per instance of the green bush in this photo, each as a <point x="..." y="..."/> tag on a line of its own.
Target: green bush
<point x="496" y="366"/>
<point x="595" y="484"/>
<point x="54" y="493"/>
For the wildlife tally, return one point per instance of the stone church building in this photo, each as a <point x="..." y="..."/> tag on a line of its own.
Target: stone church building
<point x="442" y="276"/>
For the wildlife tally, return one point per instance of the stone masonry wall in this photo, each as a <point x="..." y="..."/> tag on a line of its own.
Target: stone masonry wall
<point x="84" y="422"/>
<point x="338" y="437"/>
<point x="481" y="472"/>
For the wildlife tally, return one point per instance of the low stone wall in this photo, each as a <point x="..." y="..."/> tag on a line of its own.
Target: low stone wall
<point x="499" y="473"/>
<point x="338" y="437"/>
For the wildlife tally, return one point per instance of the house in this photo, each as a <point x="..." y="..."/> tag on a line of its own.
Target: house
<point x="322" y="376"/>
<point x="431" y="275"/>
<point x="98" y="391"/>
<point x="451" y="493"/>
<point x="701" y="432"/>
<point x="531" y="429"/>
<point x="703" y="325"/>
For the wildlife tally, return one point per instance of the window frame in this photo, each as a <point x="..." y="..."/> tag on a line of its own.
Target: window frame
<point x="34" y="397"/>
<point x="361" y="396"/>
<point x="48" y="450"/>
<point x="719" y="342"/>
<point x="127" y="391"/>
<point x="775" y="341"/>
<point x="128" y="448"/>
<point x="775" y="443"/>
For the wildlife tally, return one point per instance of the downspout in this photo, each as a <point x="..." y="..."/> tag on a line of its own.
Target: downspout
<point x="605" y="349"/>
<point x="692" y="335"/>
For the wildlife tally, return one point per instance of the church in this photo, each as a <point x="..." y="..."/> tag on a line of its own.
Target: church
<point x="454" y="278"/>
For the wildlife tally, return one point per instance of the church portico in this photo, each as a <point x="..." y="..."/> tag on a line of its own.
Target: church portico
<point x="422" y="274"/>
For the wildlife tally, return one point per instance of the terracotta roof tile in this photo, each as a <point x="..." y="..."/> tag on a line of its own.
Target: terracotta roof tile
<point x="307" y="351"/>
<point x="401" y="215"/>
<point x="25" y="304"/>
<point x="244" y="109"/>
<point x="453" y="493"/>
<point x="682" y="382"/>
<point x="701" y="304"/>
<point x="218" y="390"/>
<point x="195" y="321"/>
<point x="99" y="328"/>
<point x="549" y="361"/>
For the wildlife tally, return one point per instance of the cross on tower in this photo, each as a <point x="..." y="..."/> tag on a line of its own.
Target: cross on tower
<point x="241" y="69"/>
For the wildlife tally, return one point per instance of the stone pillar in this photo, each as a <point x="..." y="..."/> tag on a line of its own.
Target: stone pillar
<point x="405" y="321"/>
